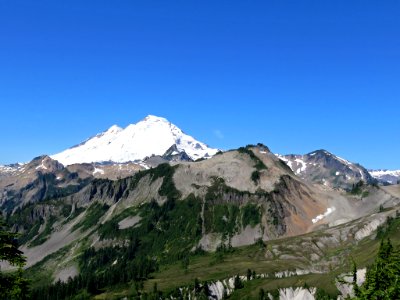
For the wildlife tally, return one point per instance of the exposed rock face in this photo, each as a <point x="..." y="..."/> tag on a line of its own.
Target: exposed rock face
<point x="173" y="154"/>
<point x="176" y="155"/>
<point x="328" y="169"/>
<point x="45" y="178"/>
<point x="42" y="178"/>
<point x="287" y="204"/>
<point x="346" y="288"/>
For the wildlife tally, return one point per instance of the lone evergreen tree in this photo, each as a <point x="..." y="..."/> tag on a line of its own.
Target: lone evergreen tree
<point x="261" y="294"/>
<point x="248" y="274"/>
<point x="12" y="285"/>
<point x="238" y="284"/>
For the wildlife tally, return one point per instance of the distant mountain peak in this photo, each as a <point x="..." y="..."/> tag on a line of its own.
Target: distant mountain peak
<point x="323" y="167"/>
<point x="152" y="135"/>
<point x="386" y="176"/>
<point x="114" y="129"/>
<point x="153" y="118"/>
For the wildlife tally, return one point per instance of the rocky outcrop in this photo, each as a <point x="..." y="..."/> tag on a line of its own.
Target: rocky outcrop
<point x="325" y="168"/>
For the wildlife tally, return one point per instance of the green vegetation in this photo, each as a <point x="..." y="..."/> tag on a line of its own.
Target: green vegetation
<point x="45" y="234"/>
<point x="45" y="189"/>
<point x="251" y="215"/>
<point x="99" y="269"/>
<point x="92" y="216"/>
<point x="383" y="276"/>
<point x="389" y="227"/>
<point x="32" y="216"/>
<point x="227" y="210"/>
<point x="76" y="212"/>
<point x="259" y="165"/>
<point x="33" y="231"/>
<point x="160" y="254"/>
<point x="12" y="285"/>
<point x="110" y="229"/>
<point x="357" y="189"/>
<point x="122" y="187"/>
<point x="222" y="210"/>
<point x="41" y="273"/>
<point x="166" y="234"/>
<point x="222" y="218"/>
<point x="52" y="191"/>
<point x="255" y="176"/>
<point x="193" y="269"/>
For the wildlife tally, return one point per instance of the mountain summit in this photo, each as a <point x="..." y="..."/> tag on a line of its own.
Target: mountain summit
<point x="152" y="135"/>
<point x="326" y="168"/>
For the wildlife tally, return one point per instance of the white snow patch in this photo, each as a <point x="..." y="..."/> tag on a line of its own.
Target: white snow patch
<point x="302" y="164"/>
<point x="346" y="162"/>
<point x="221" y="287"/>
<point x="281" y="157"/>
<point x="379" y="173"/>
<point x="41" y="166"/>
<point x="287" y="161"/>
<point x="97" y="170"/>
<point x="152" y="135"/>
<point x="337" y="173"/>
<point x="297" y="293"/>
<point x="391" y="176"/>
<point x="329" y="210"/>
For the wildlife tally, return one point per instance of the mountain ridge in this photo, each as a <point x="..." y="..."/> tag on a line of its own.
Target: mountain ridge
<point x="324" y="167"/>
<point x="386" y="176"/>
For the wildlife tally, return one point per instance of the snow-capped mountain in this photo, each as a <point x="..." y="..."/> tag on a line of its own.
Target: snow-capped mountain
<point x="386" y="176"/>
<point x="326" y="168"/>
<point x="151" y="136"/>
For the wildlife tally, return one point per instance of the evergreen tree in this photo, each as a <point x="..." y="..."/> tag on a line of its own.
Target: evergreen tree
<point x="248" y="274"/>
<point x="383" y="276"/>
<point x="261" y="294"/>
<point x="238" y="284"/>
<point x="12" y="285"/>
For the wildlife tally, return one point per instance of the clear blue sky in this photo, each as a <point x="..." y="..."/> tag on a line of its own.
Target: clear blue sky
<point x="295" y="75"/>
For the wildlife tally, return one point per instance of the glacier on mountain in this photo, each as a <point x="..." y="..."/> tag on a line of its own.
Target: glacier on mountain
<point x="151" y="136"/>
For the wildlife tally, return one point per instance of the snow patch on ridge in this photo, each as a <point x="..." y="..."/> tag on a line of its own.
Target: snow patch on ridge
<point x="96" y="170"/>
<point x="303" y="165"/>
<point x="41" y="166"/>
<point x="379" y="173"/>
<point x="329" y="210"/>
